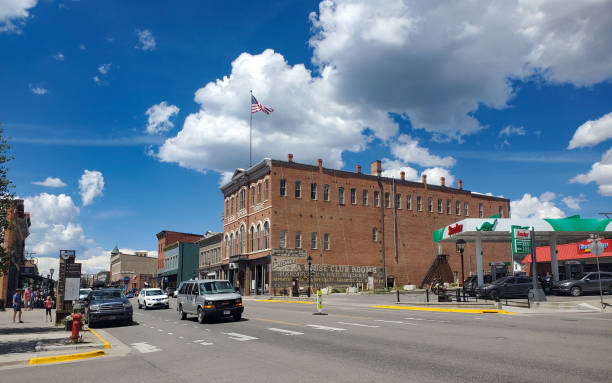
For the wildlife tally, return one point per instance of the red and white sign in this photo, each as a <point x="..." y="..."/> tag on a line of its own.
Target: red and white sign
<point x="584" y="247"/>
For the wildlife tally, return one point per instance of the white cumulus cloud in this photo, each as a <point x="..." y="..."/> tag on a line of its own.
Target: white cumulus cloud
<point x="38" y="90"/>
<point x="307" y="120"/>
<point x="574" y="202"/>
<point x="146" y="40"/>
<point x="159" y="117"/>
<point x="59" y="57"/>
<point x="533" y="207"/>
<point x="408" y="149"/>
<point x="436" y="63"/>
<point x="600" y="173"/>
<point x="592" y="132"/>
<point x="104" y="68"/>
<point x="91" y="185"/>
<point x="13" y="14"/>
<point x="393" y="168"/>
<point x="50" y="182"/>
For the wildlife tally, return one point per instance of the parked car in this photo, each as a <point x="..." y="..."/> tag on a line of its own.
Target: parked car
<point x="209" y="298"/>
<point x="471" y="283"/>
<point x="507" y="287"/>
<point x="83" y="293"/>
<point x="153" y="297"/>
<point x="586" y="283"/>
<point x="107" y="304"/>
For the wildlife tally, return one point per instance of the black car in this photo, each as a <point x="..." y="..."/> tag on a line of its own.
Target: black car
<point x="471" y="284"/>
<point x="507" y="287"/>
<point x="108" y="304"/>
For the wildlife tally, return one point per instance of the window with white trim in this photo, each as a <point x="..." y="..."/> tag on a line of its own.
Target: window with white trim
<point x="283" y="188"/>
<point x="283" y="239"/>
<point x="313" y="240"/>
<point x="298" y="240"/>
<point x="326" y="241"/>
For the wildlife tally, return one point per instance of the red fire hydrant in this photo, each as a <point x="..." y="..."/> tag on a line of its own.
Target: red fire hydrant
<point x="76" y="326"/>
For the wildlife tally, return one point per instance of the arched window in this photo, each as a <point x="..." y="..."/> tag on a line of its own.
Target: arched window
<point x="266" y="235"/>
<point x="252" y="238"/>
<point x="242" y="232"/>
<point x="227" y="249"/>
<point x="258" y="237"/>
<point x="232" y="245"/>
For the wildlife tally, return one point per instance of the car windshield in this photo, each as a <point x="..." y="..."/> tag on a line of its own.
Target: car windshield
<point x="84" y="291"/>
<point x="216" y="287"/>
<point x="154" y="292"/>
<point x="106" y="294"/>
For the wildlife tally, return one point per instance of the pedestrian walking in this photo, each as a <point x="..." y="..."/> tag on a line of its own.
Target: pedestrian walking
<point x="32" y="299"/>
<point x="48" y="307"/>
<point x="26" y="297"/>
<point x="17" y="305"/>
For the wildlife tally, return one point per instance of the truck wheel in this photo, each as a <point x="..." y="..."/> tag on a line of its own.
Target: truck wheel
<point x="201" y="317"/>
<point x="237" y="317"/>
<point x="182" y="315"/>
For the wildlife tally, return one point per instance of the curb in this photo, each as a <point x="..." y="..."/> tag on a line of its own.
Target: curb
<point x="468" y="311"/>
<point x="65" y="358"/>
<point x="106" y="344"/>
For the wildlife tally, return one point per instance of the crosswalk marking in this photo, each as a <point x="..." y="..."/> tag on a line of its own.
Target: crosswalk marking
<point x="144" y="347"/>
<point x="203" y="342"/>
<point x="358" y="324"/>
<point x="326" y="328"/>
<point x="239" y="337"/>
<point x="286" y="332"/>
<point x="394" y="321"/>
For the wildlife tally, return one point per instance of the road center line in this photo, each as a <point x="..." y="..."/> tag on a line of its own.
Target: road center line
<point x="358" y="324"/>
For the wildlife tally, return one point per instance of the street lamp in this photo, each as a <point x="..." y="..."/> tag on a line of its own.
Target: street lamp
<point x="460" y="247"/>
<point x="309" y="259"/>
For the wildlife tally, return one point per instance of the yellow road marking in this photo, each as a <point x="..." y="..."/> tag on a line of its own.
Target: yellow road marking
<point x="277" y="301"/>
<point x="439" y="309"/>
<point x="106" y="344"/>
<point x="66" y="358"/>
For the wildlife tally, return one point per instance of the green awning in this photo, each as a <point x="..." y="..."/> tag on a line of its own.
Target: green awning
<point x="575" y="223"/>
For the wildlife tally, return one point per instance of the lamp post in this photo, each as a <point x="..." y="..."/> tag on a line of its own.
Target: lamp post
<point x="460" y="247"/>
<point x="309" y="259"/>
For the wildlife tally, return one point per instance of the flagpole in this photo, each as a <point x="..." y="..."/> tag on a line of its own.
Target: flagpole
<point x="250" y="129"/>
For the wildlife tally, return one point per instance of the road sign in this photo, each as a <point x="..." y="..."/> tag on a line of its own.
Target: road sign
<point x="597" y="248"/>
<point x="521" y="240"/>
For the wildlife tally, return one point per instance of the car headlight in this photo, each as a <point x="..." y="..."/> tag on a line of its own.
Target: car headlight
<point x="127" y="305"/>
<point x="565" y="283"/>
<point x="94" y="307"/>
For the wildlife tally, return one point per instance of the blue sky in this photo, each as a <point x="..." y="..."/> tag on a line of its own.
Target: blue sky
<point x="135" y="112"/>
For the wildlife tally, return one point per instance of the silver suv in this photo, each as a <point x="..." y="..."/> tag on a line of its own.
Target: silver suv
<point x="209" y="298"/>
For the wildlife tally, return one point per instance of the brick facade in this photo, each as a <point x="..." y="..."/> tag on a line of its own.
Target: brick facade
<point x="165" y="238"/>
<point x="345" y="229"/>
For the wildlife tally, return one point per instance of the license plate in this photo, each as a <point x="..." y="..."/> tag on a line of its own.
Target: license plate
<point x="226" y="312"/>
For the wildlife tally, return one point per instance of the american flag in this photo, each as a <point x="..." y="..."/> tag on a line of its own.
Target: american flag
<point x="256" y="106"/>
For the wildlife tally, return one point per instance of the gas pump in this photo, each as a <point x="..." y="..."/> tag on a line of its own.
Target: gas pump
<point x="573" y="269"/>
<point x="498" y="270"/>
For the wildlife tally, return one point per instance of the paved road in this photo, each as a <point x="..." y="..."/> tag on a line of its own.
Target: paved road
<point x="284" y="342"/>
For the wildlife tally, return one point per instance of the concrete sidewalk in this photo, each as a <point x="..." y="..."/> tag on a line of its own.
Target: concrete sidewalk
<point x="34" y="338"/>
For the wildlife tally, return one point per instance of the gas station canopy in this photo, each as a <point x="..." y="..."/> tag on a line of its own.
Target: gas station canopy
<point x="548" y="231"/>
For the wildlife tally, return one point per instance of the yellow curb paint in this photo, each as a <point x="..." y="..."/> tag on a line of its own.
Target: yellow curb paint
<point x="106" y="344"/>
<point x="66" y="358"/>
<point x="469" y="311"/>
<point x="277" y="301"/>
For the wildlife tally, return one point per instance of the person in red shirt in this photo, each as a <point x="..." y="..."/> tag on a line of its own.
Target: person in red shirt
<point x="26" y="298"/>
<point x="48" y="306"/>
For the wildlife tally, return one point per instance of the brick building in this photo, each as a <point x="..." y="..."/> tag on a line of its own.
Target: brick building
<point x="14" y="243"/>
<point x="138" y="267"/>
<point x="166" y="237"/>
<point x="278" y="213"/>
<point x="210" y="255"/>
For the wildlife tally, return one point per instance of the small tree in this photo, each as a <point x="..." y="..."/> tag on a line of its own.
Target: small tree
<point x="6" y="200"/>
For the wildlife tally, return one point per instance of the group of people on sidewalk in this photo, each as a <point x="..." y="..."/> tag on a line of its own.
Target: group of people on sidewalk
<point x="27" y="299"/>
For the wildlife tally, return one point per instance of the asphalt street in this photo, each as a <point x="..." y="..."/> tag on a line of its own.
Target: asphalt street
<point x="284" y="342"/>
